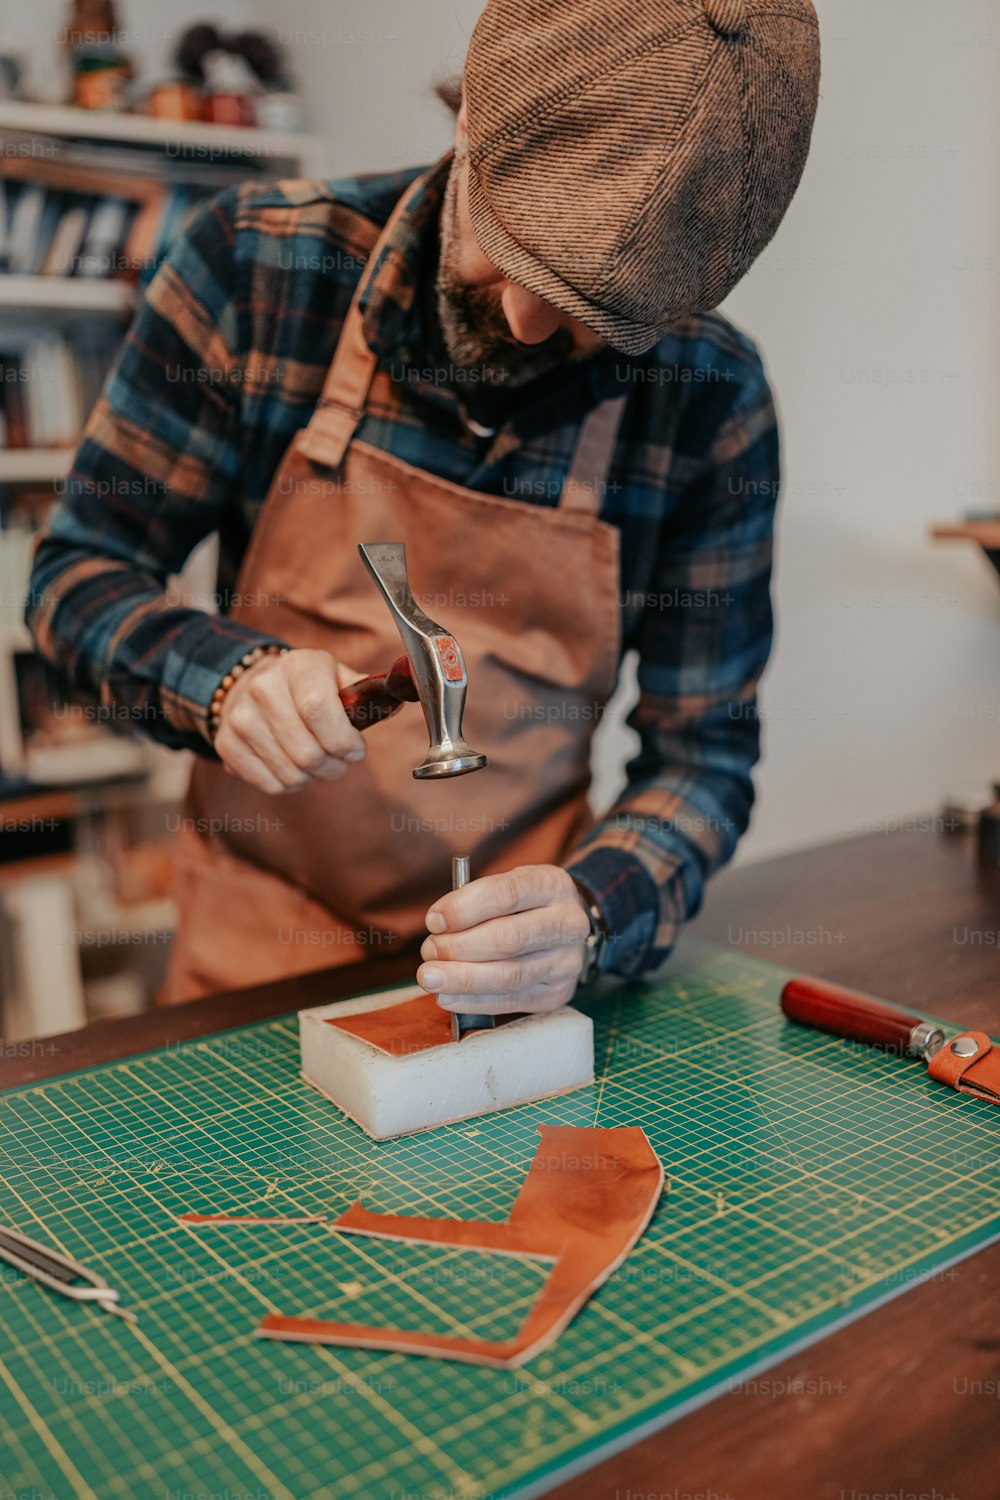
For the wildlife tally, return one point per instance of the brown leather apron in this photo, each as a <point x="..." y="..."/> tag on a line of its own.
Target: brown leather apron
<point x="339" y="872"/>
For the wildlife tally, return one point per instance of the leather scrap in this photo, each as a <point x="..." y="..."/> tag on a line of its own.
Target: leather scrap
<point x="411" y="1026"/>
<point x="587" y="1197"/>
<point x="978" y="1074"/>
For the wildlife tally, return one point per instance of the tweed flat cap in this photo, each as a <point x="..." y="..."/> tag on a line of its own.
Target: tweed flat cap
<point x="630" y="159"/>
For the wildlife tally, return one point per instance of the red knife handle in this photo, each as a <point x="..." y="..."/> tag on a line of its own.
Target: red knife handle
<point x="831" y="1007"/>
<point x="371" y="699"/>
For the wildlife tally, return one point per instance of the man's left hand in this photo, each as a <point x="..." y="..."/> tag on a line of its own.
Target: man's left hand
<point x="510" y="942"/>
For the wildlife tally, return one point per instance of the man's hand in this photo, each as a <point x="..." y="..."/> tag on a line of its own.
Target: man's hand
<point x="283" y="724"/>
<point x="510" y="942"/>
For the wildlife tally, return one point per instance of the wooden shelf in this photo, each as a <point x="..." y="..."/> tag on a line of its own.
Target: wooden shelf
<point x="15" y="872"/>
<point x="986" y="533"/>
<point x="107" y="125"/>
<point x="34" y="465"/>
<point x="27" y="296"/>
<point x="80" y="800"/>
<point x="149" y="919"/>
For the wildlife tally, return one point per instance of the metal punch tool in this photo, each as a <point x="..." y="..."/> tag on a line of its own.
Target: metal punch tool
<point x="463" y="1021"/>
<point x="58" y="1272"/>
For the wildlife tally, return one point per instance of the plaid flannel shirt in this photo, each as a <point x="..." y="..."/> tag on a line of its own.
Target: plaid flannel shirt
<point x="224" y="363"/>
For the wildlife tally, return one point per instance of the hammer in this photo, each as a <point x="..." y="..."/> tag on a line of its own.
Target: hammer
<point x="432" y="673"/>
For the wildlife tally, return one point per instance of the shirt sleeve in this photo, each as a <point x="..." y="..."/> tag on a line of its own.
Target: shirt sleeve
<point x="703" y="638"/>
<point x="158" y="462"/>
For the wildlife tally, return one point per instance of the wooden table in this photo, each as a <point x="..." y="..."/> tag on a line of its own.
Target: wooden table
<point x="986" y="533"/>
<point x="903" y="1402"/>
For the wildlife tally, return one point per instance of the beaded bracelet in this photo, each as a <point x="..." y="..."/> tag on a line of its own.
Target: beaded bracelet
<point x="245" y="662"/>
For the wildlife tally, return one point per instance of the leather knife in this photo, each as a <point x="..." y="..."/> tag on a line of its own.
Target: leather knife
<point x="969" y="1062"/>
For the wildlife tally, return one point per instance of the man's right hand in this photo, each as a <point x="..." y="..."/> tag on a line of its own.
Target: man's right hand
<point x="283" y="725"/>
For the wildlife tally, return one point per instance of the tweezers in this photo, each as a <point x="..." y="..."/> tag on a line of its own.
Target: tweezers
<point x="58" y="1272"/>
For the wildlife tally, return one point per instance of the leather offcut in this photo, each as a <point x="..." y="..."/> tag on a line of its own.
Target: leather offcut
<point x="587" y="1198"/>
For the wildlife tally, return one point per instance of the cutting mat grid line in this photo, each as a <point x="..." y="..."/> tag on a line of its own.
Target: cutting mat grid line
<point x="807" y="1179"/>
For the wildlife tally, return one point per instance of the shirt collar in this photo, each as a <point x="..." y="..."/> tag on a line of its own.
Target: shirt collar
<point x="389" y="299"/>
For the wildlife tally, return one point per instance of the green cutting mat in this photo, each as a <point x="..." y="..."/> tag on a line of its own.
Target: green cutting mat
<point x="807" y="1179"/>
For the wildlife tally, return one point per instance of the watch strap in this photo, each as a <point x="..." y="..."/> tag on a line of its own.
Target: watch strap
<point x="596" y="940"/>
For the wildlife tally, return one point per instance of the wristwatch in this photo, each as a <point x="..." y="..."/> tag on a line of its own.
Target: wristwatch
<point x="596" y="940"/>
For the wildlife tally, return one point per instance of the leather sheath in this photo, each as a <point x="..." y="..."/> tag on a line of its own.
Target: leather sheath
<point x="978" y="1074"/>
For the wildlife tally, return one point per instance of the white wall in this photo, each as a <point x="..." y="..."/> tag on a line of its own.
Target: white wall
<point x="366" y="69"/>
<point x="886" y="269"/>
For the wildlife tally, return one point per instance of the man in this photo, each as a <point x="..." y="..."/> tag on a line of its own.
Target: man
<point x="504" y="361"/>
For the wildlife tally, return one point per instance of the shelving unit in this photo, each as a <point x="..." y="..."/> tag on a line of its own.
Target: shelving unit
<point x="37" y="893"/>
<point x="34" y="465"/>
<point x="306" y="152"/>
<point x="31" y="296"/>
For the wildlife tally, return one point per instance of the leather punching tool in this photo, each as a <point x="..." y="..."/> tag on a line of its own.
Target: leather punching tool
<point x="433" y="674"/>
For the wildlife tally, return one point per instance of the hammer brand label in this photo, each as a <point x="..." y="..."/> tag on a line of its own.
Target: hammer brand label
<point x="451" y="658"/>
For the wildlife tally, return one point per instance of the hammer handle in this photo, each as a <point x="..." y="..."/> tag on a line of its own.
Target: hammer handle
<point x="844" y="1012"/>
<point x="371" y="699"/>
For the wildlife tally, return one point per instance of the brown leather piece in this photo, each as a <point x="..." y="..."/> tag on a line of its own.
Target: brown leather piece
<point x="412" y="1026"/>
<point x="584" y="1203"/>
<point x="978" y="1074"/>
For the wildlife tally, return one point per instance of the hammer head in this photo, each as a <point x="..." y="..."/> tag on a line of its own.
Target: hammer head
<point x="436" y="664"/>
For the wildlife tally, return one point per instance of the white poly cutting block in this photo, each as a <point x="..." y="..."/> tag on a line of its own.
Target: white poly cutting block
<point x="391" y="1092"/>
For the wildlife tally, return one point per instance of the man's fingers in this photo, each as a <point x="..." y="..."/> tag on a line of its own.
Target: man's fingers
<point x="316" y="696"/>
<point x="283" y="725"/>
<point x="346" y="676"/>
<point x="248" y="724"/>
<point x="558" y="925"/>
<point x="555" y="966"/>
<point x="514" y="890"/>
<point x="539" y="997"/>
<point x="292" y="733"/>
<point x="239" y="758"/>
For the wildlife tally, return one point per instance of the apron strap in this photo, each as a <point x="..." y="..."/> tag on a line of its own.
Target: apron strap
<point x="342" y="404"/>
<point x="583" y="488"/>
<point x="345" y="390"/>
